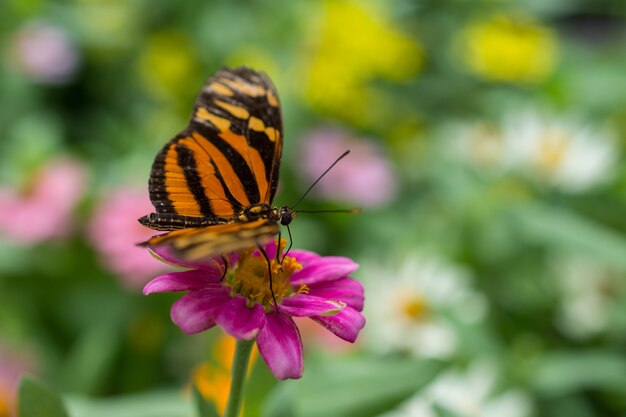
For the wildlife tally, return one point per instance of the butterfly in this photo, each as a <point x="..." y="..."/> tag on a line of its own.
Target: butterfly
<point x="213" y="184"/>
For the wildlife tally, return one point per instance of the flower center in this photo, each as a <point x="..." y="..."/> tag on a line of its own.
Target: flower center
<point x="414" y="308"/>
<point x="552" y="151"/>
<point x="251" y="278"/>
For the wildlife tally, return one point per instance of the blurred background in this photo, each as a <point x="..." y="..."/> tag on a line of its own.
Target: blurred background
<point x="487" y="147"/>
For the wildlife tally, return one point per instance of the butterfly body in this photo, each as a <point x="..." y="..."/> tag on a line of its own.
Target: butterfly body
<point x="213" y="184"/>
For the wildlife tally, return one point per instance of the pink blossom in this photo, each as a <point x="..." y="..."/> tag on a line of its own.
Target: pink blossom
<point x="240" y="301"/>
<point x="45" y="210"/>
<point x="365" y="177"/>
<point x="45" y="53"/>
<point x="115" y="232"/>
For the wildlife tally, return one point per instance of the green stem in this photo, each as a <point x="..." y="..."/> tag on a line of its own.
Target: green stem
<point x="238" y="378"/>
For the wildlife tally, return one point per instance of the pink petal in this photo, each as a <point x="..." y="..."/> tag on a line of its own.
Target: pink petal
<point x="181" y="281"/>
<point x="326" y="268"/>
<point x="194" y="312"/>
<point x="168" y="255"/>
<point x="346" y="290"/>
<point x="280" y="346"/>
<point x="303" y="305"/>
<point x="346" y="324"/>
<point x="304" y="257"/>
<point x="239" y="320"/>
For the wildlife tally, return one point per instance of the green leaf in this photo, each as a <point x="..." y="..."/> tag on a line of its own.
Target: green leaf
<point x="204" y="408"/>
<point x="37" y="400"/>
<point x="149" y="404"/>
<point x="567" y="230"/>
<point x="362" y="387"/>
<point x="567" y="372"/>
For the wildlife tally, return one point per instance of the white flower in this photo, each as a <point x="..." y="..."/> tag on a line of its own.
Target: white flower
<point x="407" y="307"/>
<point x="590" y="293"/>
<point x="468" y="394"/>
<point x="557" y="152"/>
<point x="563" y="153"/>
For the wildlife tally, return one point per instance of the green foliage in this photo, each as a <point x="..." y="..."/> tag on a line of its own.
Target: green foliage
<point x="503" y="125"/>
<point x="37" y="400"/>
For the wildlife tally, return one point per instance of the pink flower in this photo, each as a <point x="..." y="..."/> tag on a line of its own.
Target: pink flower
<point x="115" y="232"/>
<point x="364" y="178"/>
<point x="45" y="211"/>
<point x="305" y="285"/>
<point x="44" y="53"/>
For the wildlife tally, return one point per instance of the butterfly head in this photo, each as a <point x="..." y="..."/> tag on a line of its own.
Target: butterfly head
<point x="286" y="215"/>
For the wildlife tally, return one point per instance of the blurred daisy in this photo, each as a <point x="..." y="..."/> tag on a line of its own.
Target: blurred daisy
<point x="364" y="177"/>
<point x="44" y="53"/>
<point x="408" y="308"/>
<point x="114" y="231"/>
<point x="560" y="152"/>
<point x="590" y="294"/>
<point x="466" y="394"/>
<point x="44" y="210"/>
<point x="339" y="64"/>
<point x="557" y="152"/>
<point x="503" y="48"/>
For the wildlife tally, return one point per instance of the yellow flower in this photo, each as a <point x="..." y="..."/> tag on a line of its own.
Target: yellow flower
<point x="508" y="49"/>
<point x="168" y="64"/>
<point x="213" y="378"/>
<point x="354" y="44"/>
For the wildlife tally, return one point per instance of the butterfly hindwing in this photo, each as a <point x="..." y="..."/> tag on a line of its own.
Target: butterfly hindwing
<point x="198" y="243"/>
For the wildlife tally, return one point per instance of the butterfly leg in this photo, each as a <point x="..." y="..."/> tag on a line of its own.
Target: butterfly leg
<point x="288" y="247"/>
<point x="269" y="270"/>
<point x="278" y="242"/>
<point x="225" y="267"/>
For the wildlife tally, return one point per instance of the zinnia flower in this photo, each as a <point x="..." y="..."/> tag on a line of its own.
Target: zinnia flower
<point x="45" y="53"/>
<point x="365" y="178"/>
<point x="45" y="210"/>
<point x="240" y="301"/>
<point x="114" y="232"/>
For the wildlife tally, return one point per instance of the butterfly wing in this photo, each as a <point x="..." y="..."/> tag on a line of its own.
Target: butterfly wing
<point x="227" y="159"/>
<point x="201" y="243"/>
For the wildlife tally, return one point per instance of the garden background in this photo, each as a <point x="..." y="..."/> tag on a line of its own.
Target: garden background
<point x="487" y="145"/>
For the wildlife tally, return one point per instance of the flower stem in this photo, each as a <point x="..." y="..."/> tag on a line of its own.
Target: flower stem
<point x="238" y="378"/>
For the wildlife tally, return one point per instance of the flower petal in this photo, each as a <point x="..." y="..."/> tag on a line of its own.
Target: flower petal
<point x="194" y="312"/>
<point x="303" y="305"/>
<point x="304" y="257"/>
<point x="239" y="320"/>
<point x="165" y="253"/>
<point x="346" y="324"/>
<point x="326" y="268"/>
<point x="280" y="346"/>
<point x="181" y="281"/>
<point x="346" y="290"/>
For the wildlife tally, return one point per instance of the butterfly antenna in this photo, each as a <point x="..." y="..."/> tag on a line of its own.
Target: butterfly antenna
<point x="343" y="155"/>
<point x="347" y="211"/>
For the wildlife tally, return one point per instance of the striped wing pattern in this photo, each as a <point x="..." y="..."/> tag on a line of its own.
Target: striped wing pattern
<point x="228" y="157"/>
<point x="225" y="161"/>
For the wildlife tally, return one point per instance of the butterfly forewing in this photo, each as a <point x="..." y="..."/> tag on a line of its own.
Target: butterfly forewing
<point x="225" y="161"/>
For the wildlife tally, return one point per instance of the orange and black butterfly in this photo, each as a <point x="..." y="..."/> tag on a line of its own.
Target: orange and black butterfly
<point x="213" y="184"/>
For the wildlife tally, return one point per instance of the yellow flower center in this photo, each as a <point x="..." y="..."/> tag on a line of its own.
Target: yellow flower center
<point x="251" y="278"/>
<point x="552" y="151"/>
<point x="414" y="308"/>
